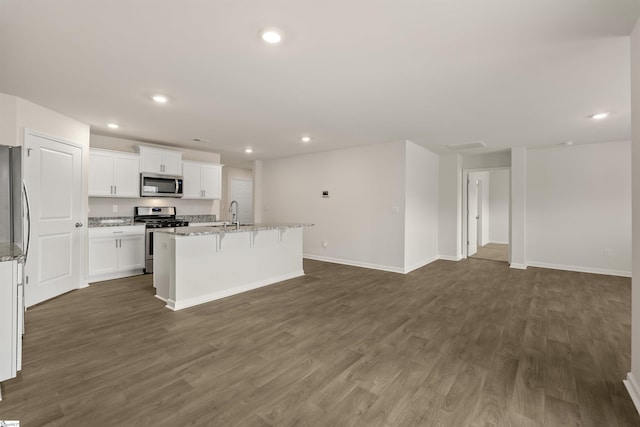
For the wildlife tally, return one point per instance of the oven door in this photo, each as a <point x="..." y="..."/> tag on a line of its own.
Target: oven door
<point x="152" y="185"/>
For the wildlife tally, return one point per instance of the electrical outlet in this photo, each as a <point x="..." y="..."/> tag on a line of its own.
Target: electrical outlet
<point x="115" y="208"/>
<point x="607" y="251"/>
<point x="325" y="244"/>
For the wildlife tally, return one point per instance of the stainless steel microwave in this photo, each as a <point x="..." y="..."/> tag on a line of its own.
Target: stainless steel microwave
<point x="153" y="185"/>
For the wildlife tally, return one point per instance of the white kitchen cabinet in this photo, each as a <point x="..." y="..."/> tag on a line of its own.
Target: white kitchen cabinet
<point x="114" y="174"/>
<point x="116" y="252"/>
<point x="157" y="160"/>
<point x="11" y="318"/>
<point x="201" y="180"/>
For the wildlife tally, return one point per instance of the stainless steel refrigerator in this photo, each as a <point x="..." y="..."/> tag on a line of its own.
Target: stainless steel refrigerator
<point x="11" y="197"/>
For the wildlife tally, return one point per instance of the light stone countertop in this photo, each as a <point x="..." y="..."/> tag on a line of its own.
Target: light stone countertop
<point x="111" y="221"/>
<point x="194" y="219"/>
<point x="117" y="221"/>
<point x="10" y="252"/>
<point x="203" y="231"/>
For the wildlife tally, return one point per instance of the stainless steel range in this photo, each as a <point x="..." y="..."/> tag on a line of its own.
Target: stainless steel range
<point x="161" y="217"/>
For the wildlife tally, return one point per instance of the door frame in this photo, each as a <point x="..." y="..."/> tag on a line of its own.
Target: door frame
<point x="232" y="196"/>
<point x="84" y="152"/>
<point x="465" y="212"/>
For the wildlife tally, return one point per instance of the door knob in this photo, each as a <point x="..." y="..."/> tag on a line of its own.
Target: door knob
<point x="78" y="224"/>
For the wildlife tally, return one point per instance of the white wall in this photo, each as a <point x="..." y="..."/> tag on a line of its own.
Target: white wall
<point x="450" y="207"/>
<point x="634" y="376"/>
<point x="103" y="206"/>
<point x="8" y="120"/>
<point x="499" y="206"/>
<point x="362" y="221"/>
<point x="229" y="174"/>
<point x="421" y="206"/>
<point x="35" y="117"/>
<point x="17" y="114"/>
<point x="128" y="145"/>
<point x="578" y="203"/>
<point x="498" y="159"/>
<point x="518" y="209"/>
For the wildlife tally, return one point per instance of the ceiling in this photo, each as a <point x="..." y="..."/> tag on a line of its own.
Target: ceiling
<point x="348" y="73"/>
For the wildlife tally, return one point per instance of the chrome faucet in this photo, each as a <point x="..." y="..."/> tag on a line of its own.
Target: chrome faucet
<point x="235" y="219"/>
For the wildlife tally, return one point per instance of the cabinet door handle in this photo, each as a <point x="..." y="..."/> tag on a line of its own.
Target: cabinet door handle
<point x="115" y="189"/>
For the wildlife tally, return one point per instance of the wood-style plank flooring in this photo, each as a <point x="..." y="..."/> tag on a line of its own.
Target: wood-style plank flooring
<point x="493" y="252"/>
<point x="471" y="343"/>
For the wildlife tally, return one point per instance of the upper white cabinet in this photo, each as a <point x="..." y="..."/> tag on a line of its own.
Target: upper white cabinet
<point x="157" y="160"/>
<point x="201" y="180"/>
<point x="114" y="174"/>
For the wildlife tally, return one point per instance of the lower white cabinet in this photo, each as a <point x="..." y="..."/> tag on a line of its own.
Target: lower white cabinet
<point x="11" y="319"/>
<point x="116" y="252"/>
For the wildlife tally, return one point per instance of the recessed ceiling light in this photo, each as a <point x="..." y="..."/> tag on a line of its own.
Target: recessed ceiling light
<point x="248" y="150"/>
<point x="600" y="116"/>
<point x="567" y="143"/>
<point x="271" y="35"/>
<point x="113" y="125"/>
<point x="160" y="99"/>
<point x="306" y="139"/>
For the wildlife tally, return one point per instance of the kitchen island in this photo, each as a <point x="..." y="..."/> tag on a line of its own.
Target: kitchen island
<point x="194" y="265"/>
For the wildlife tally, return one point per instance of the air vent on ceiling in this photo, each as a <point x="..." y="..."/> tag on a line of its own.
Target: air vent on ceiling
<point x="467" y="145"/>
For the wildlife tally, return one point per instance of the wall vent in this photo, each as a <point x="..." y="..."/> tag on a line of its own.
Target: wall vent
<point x="467" y="145"/>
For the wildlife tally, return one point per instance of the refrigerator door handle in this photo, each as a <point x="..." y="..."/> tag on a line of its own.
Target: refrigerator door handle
<point x="26" y="198"/>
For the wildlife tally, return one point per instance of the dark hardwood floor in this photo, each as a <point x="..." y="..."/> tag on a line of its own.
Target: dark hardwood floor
<point x="451" y="344"/>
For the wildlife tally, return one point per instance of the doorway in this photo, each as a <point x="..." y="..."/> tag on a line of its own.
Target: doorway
<point x="53" y="179"/>
<point x="486" y="224"/>
<point x="242" y="192"/>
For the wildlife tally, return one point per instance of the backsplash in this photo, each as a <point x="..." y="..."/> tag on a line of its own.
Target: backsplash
<point x="103" y="206"/>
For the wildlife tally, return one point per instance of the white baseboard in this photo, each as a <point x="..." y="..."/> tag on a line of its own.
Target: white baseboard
<point x="450" y="258"/>
<point x="354" y="263"/>
<point x="112" y="276"/>
<point x="499" y="243"/>
<point x="419" y="265"/>
<point x="518" y="266"/>
<point x="369" y="265"/>
<point x="173" y="305"/>
<point x="633" y="389"/>
<point x="579" y="269"/>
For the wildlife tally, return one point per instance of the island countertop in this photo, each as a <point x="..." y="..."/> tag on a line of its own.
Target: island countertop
<point x="203" y="231"/>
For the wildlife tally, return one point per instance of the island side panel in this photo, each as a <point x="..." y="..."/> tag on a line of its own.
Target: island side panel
<point x="164" y="260"/>
<point x="210" y="267"/>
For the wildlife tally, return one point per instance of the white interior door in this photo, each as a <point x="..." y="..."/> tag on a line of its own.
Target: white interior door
<point x="53" y="177"/>
<point x="242" y="192"/>
<point x="472" y="217"/>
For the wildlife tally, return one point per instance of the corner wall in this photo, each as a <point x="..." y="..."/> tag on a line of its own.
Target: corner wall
<point x="578" y="205"/>
<point x="362" y="220"/>
<point x="633" y="378"/>
<point x="499" y="206"/>
<point x="421" y="207"/>
<point x="450" y="207"/>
